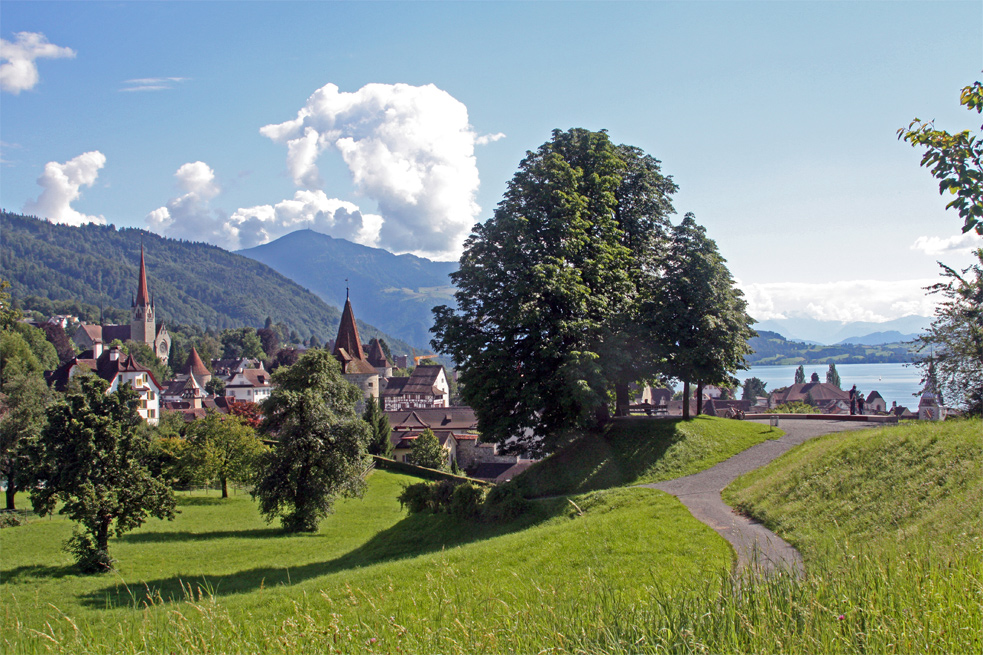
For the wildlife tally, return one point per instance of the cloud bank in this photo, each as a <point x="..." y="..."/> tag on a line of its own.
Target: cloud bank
<point x="18" y="72"/>
<point x="62" y="184"/>
<point x="190" y="215"/>
<point x="410" y="149"/>
<point x="253" y="226"/>
<point x="935" y="246"/>
<point x="859" y="300"/>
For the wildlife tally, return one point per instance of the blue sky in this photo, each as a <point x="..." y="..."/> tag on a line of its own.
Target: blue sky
<point x="777" y="120"/>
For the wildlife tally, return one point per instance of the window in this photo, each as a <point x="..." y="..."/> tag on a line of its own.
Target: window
<point x="152" y="413"/>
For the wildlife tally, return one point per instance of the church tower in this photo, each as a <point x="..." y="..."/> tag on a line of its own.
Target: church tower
<point x="143" y="326"/>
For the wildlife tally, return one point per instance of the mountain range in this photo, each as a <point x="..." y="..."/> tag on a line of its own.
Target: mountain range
<point x="393" y="292"/>
<point x="192" y="283"/>
<point x="810" y="330"/>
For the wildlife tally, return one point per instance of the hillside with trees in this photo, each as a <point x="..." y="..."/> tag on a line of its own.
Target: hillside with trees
<point x="771" y="348"/>
<point x="192" y="283"/>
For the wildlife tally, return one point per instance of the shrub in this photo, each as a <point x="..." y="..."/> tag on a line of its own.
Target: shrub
<point x="89" y="557"/>
<point x="505" y="503"/>
<point x="10" y="520"/>
<point x="416" y="497"/>
<point x="442" y="492"/>
<point x="466" y="501"/>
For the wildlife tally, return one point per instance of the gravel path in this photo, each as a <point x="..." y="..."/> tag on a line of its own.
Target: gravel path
<point x="753" y="542"/>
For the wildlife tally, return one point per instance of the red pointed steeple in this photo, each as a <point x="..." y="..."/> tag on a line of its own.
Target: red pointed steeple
<point x="143" y="297"/>
<point x="348" y="334"/>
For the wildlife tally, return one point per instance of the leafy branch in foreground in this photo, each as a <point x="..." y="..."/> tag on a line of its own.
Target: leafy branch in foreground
<point x="956" y="160"/>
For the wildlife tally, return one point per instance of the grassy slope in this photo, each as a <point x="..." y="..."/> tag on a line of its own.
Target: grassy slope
<point x="371" y="569"/>
<point x="640" y="450"/>
<point x="916" y="483"/>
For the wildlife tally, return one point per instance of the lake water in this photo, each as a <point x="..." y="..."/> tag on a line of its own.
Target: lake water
<point x="895" y="382"/>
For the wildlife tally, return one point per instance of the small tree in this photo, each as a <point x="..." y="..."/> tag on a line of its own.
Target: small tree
<point x="215" y="386"/>
<point x="814" y="378"/>
<point x="90" y="458"/>
<point x="832" y="376"/>
<point x="223" y="448"/>
<point x="320" y="443"/>
<point x="753" y="387"/>
<point x="800" y="375"/>
<point x="428" y="452"/>
<point x="379" y="439"/>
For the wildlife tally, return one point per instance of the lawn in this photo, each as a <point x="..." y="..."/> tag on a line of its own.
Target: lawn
<point x="217" y="578"/>
<point x="888" y="521"/>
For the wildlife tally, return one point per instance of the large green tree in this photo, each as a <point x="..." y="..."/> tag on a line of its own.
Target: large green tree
<point x="753" y="388"/>
<point x="547" y="288"/>
<point x="90" y="462"/>
<point x="23" y="403"/>
<point x="222" y="448"/>
<point x="833" y="376"/>
<point x="956" y="160"/>
<point x="697" y="315"/>
<point x="320" y="443"/>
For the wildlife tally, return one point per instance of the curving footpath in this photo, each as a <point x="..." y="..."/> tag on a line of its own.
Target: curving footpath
<point x="753" y="542"/>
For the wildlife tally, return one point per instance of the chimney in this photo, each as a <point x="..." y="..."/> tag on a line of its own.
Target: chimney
<point x="114" y="354"/>
<point x="97" y="349"/>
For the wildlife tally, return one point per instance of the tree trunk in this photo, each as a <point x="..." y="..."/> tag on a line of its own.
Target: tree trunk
<point x="225" y="487"/>
<point x="699" y="398"/>
<point x="102" y="535"/>
<point x="685" y="400"/>
<point x="622" y="399"/>
<point x="11" y="491"/>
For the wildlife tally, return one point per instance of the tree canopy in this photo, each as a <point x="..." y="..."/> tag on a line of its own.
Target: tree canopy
<point x="222" y="448"/>
<point x="956" y="160"/>
<point x="428" y="452"/>
<point x="90" y="459"/>
<point x="555" y="301"/>
<point x="320" y="443"/>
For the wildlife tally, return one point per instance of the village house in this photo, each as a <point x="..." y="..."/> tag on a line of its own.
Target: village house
<point x="190" y="381"/>
<point x="875" y="403"/>
<point x="250" y="384"/>
<point x="143" y="326"/>
<point x="819" y="394"/>
<point x="116" y="369"/>
<point x="456" y="429"/>
<point x="425" y="388"/>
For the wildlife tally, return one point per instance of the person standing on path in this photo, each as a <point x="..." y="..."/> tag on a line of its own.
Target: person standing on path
<point x="853" y="401"/>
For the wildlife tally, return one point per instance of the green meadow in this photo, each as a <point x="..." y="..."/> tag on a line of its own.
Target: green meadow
<point x="892" y="553"/>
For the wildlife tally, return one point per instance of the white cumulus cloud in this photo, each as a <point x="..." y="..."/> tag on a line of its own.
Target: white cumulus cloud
<point x="18" y="72"/>
<point x="410" y="149"/>
<point x="253" y="226"/>
<point x="934" y="246"/>
<point x="62" y="184"/>
<point x="856" y="300"/>
<point x="190" y="215"/>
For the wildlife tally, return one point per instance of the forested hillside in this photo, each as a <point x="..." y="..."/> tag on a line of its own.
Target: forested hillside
<point x="192" y="283"/>
<point x="773" y="348"/>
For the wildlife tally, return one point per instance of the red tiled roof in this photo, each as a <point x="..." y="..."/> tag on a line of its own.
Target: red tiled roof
<point x="819" y="391"/>
<point x="376" y="355"/>
<point x="421" y="381"/>
<point x="348" y="334"/>
<point x="459" y="419"/>
<point x="194" y="365"/>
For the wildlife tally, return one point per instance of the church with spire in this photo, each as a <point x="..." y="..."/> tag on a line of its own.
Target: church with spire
<point x="367" y="372"/>
<point x="143" y="326"/>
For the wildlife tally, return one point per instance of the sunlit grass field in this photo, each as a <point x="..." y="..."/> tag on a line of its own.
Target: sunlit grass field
<point x="888" y="521"/>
